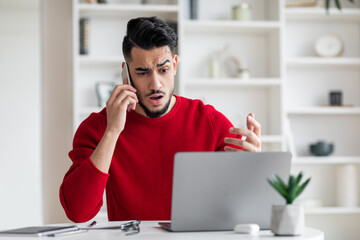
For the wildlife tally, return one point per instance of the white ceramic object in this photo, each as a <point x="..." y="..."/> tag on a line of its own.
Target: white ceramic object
<point x="287" y="219"/>
<point x="329" y="45"/>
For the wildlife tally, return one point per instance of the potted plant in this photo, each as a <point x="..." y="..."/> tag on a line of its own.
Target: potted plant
<point x="288" y="219"/>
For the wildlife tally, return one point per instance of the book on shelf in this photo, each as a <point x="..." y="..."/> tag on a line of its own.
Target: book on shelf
<point x="84" y="36"/>
<point x="96" y="1"/>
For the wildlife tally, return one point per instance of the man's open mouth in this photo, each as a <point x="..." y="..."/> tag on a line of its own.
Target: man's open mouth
<point x="156" y="99"/>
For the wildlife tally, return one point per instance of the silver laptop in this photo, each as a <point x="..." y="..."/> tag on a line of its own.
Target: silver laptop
<point x="216" y="190"/>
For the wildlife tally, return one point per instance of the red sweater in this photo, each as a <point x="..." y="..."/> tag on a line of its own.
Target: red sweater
<point x="139" y="183"/>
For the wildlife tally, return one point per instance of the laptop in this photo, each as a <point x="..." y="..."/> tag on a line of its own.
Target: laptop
<point x="214" y="191"/>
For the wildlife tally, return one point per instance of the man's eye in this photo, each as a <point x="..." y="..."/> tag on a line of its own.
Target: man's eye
<point x="141" y="73"/>
<point x="164" y="70"/>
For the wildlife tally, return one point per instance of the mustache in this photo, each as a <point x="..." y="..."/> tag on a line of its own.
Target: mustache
<point x="155" y="92"/>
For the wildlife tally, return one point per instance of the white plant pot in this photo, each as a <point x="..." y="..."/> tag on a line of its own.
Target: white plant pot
<point x="287" y="219"/>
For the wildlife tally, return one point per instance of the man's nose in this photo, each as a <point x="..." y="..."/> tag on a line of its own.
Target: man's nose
<point x="155" y="82"/>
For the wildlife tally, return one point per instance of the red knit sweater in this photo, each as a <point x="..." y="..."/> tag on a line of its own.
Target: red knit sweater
<point x="139" y="182"/>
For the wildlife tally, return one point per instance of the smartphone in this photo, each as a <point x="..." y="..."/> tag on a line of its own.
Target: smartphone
<point x="125" y="73"/>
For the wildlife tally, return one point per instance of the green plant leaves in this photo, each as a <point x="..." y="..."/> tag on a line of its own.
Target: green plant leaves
<point x="337" y="4"/>
<point x="302" y="187"/>
<point x="290" y="191"/>
<point x="278" y="188"/>
<point x="327" y="5"/>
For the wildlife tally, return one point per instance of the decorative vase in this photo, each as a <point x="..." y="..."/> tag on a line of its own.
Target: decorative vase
<point x="321" y="148"/>
<point x="287" y="219"/>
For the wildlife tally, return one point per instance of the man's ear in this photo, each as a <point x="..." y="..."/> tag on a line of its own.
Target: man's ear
<point x="175" y="62"/>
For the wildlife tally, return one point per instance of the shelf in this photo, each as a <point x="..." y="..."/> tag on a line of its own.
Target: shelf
<point x="121" y="10"/>
<point x="318" y="61"/>
<point x="321" y="14"/>
<point x="249" y="26"/>
<point x="233" y="82"/>
<point x="327" y="160"/>
<point x="332" y="210"/>
<point x="271" y="139"/>
<point x="325" y="111"/>
<point x="89" y="60"/>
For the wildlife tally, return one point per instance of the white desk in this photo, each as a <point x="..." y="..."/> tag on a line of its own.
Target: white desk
<point x="152" y="231"/>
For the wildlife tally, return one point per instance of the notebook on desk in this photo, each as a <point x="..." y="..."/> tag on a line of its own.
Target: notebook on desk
<point x="39" y="231"/>
<point x="217" y="190"/>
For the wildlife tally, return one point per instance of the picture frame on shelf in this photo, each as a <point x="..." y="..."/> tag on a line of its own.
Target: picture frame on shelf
<point x="103" y="92"/>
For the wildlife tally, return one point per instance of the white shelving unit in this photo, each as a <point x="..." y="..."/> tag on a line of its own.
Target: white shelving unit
<point x="257" y="42"/>
<point x="333" y="211"/>
<point x="309" y="79"/>
<point x="326" y="160"/>
<point x="229" y="25"/>
<point x="327" y="62"/>
<point x="318" y="14"/>
<point x="325" y="111"/>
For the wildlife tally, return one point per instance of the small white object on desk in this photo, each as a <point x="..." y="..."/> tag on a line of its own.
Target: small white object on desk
<point x="251" y="229"/>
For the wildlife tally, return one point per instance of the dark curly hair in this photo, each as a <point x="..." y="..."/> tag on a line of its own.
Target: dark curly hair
<point x="148" y="33"/>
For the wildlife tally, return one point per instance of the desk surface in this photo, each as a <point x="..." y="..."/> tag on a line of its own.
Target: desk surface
<point x="151" y="230"/>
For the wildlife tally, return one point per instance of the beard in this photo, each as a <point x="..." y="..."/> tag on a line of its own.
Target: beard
<point x="156" y="114"/>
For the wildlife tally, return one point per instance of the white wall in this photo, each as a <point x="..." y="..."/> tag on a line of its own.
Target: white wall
<point x="57" y="102"/>
<point x="36" y="109"/>
<point x="20" y="121"/>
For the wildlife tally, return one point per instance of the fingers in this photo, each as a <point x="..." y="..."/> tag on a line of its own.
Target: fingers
<point x="121" y="89"/>
<point x="238" y="142"/>
<point x="248" y="121"/>
<point x="130" y="103"/>
<point x="124" y="94"/>
<point x="252" y="142"/>
<point x="231" y="149"/>
<point x="250" y="135"/>
<point x="253" y="125"/>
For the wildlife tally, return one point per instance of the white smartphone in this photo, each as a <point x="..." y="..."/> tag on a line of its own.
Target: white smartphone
<point x="125" y="73"/>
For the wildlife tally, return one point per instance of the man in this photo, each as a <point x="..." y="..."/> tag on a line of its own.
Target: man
<point x="128" y="148"/>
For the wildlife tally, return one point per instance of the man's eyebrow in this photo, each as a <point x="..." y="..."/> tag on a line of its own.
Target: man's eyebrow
<point x="142" y="69"/>
<point x="157" y="65"/>
<point x="162" y="64"/>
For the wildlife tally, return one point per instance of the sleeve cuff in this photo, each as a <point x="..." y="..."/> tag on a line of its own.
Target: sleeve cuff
<point x="96" y="169"/>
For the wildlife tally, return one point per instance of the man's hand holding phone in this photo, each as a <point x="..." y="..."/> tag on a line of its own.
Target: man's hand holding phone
<point x="117" y="107"/>
<point x="123" y="98"/>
